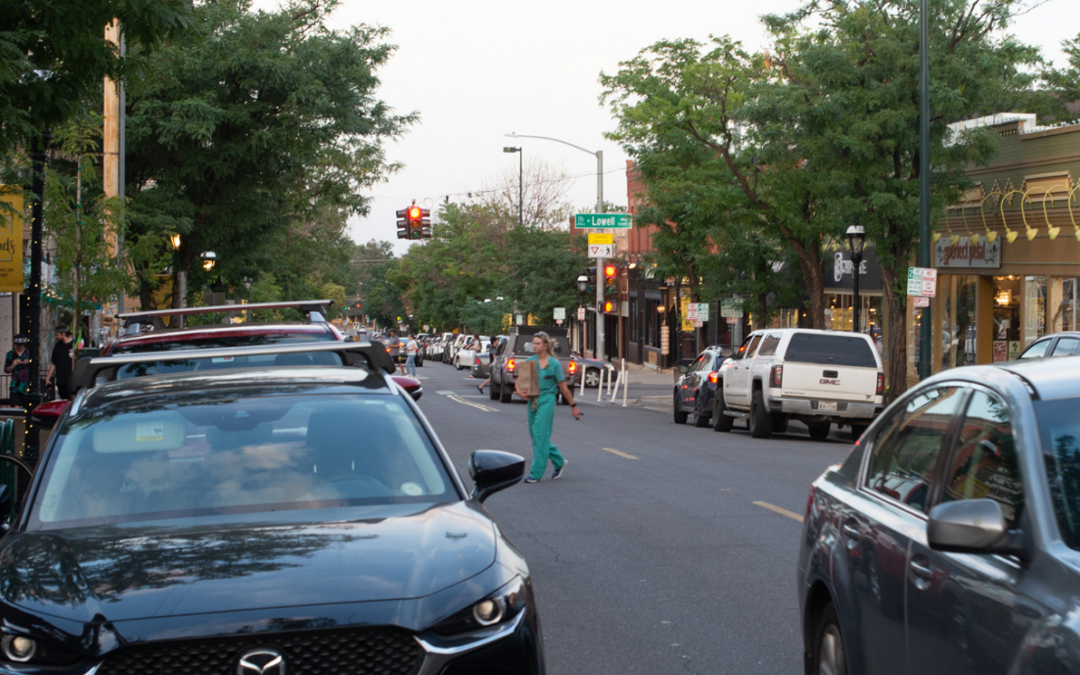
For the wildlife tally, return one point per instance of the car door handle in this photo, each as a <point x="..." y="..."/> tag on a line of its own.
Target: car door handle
<point x="851" y="531"/>
<point x="920" y="570"/>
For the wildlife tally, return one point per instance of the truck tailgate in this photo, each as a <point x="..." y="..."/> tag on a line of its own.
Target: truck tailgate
<point x="830" y="383"/>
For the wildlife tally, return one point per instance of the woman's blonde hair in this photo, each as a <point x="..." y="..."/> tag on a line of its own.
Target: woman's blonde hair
<point x="546" y="339"/>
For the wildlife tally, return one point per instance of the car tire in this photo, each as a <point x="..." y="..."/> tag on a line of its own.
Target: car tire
<point x="720" y="420"/>
<point x="493" y="392"/>
<point x="701" y="419"/>
<point x="760" y="419"/>
<point x="592" y="378"/>
<point x="505" y="394"/>
<point x="820" y="431"/>
<point x="828" y="657"/>
<point x="680" y="416"/>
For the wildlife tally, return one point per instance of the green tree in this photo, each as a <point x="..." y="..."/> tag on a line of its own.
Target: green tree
<point x="254" y="123"/>
<point x="54" y="57"/>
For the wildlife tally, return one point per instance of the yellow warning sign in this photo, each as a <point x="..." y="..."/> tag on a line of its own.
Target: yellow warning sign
<point x="606" y="239"/>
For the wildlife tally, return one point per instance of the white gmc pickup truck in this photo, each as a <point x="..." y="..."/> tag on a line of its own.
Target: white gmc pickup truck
<point x="814" y="376"/>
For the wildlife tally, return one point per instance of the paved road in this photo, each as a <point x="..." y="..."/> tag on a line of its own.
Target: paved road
<point x="658" y="551"/>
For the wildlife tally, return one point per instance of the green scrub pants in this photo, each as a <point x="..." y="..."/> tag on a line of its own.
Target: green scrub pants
<point x="541" y="422"/>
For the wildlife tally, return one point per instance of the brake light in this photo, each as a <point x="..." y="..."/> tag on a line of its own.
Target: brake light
<point x="810" y="501"/>
<point x="510" y="365"/>
<point x="714" y="377"/>
<point x="776" y="376"/>
<point x="573" y="367"/>
<point x="880" y="384"/>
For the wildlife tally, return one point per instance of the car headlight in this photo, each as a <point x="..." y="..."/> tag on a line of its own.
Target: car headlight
<point x="499" y="607"/>
<point x="23" y="649"/>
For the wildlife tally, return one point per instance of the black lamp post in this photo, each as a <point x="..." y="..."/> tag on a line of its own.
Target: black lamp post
<point x="582" y="287"/>
<point x="856" y="236"/>
<point x="521" y="175"/>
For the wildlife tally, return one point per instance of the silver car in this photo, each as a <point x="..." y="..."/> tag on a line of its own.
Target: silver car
<point x="949" y="540"/>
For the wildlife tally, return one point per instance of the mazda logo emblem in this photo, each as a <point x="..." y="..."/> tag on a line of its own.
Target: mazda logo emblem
<point x="261" y="662"/>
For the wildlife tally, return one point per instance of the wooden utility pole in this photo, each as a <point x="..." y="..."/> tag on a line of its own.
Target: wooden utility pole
<point x="112" y="158"/>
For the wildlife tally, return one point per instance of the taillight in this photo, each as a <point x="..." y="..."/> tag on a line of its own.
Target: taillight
<point x="714" y="377"/>
<point x="776" y="376"/>
<point x="880" y="384"/>
<point x="810" y="501"/>
<point x="510" y="365"/>
<point x="573" y="367"/>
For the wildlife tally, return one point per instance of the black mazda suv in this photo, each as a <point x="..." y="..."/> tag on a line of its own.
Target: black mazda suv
<point x="260" y="521"/>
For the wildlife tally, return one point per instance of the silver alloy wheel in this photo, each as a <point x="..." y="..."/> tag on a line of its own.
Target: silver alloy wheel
<point x="592" y="377"/>
<point x="831" y="652"/>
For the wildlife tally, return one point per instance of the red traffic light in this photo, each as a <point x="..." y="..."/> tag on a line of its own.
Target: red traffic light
<point x="414" y="213"/>
<point x="609" y="271"/>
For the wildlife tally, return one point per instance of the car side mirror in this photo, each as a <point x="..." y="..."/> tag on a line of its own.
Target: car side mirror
<point x="494" y="470"/>
<point x="969" y="526"/>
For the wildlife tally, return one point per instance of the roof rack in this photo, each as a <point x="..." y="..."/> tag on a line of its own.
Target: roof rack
<point x="90" y="372"/>
<point x="313" y="308"/>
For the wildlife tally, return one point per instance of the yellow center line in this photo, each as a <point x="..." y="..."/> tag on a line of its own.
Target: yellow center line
<point x="777" y="509"/>
<point x="617" y="452"/>
<point x="455" y="397"/>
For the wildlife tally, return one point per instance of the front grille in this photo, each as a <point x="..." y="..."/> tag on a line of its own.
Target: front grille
<point x="357" y="651"/>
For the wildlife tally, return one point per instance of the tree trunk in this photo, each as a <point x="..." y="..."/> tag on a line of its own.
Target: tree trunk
<point x="896" y="309"/>
<point x="814" y="273"/>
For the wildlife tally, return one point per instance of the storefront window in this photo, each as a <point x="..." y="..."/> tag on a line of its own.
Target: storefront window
<point x="1034" y="309"/>
<point x="956" y="302"/>
<point x="1006" y="318"/>
<point x="1063" y="305"/>
<point x="839" y="314"/>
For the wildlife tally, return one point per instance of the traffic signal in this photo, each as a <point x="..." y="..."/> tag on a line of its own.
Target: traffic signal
<point x="611" y="274"/>
<point x="609" y="307"/>
<point x="414" y="223"/>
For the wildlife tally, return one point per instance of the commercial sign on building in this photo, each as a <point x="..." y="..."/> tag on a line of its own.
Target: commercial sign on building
<point x="839" y="268"/>
<point x="11" y="239"/>
<point x="966" y="255"/>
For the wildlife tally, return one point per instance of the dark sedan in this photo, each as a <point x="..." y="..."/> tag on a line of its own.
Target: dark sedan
<point x="949" y="540"/>
<point x="695" y="390"/>
<point x="301" y="520"/>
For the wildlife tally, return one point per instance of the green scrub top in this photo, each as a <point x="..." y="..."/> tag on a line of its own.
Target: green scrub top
<point x="549" y="377"/>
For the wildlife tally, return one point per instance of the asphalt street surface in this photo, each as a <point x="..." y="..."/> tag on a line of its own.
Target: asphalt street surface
<point x="664" y="548"/>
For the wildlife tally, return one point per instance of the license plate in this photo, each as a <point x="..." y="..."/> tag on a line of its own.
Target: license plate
<point x="826" y="405"/>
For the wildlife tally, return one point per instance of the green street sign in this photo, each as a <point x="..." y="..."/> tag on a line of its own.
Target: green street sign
<point x="603" y="221"/>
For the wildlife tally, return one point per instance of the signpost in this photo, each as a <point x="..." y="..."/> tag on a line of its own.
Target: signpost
<point x="601" y="251"/>
<point x="731" y="309"/>
<point x="580" y="313"/>
<point x="602" y="221"/>
<point x="560" y="314"/>
<point x="922" y="281"/>
<point x="919" y="301"/>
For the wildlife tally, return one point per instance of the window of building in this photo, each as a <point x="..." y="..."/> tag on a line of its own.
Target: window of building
<point x="956" y="300"/>
<point x="1034" y="309"/>
<point x="1007" y="343"/>
<point x="1061" y="297"/>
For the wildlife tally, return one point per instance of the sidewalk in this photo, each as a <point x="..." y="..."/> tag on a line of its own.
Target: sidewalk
<point x="646" y="388"/>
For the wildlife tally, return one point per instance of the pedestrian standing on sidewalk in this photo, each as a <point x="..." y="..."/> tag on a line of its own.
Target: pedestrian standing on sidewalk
<point x="17" y="364"/>
<point x="410" y="356"/>
<point x="541" y="412"/>
<point x="62" y="362"/>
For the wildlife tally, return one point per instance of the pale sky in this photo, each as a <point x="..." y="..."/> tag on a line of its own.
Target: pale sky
<point x="477" y="69"/>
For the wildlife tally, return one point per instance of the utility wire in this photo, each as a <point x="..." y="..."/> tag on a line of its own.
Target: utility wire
<point x="473" y="193"/>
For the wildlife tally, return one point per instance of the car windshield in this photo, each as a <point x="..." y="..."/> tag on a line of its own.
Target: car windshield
<point x="236" y="454"/>
<point x="222" y="341"/>
<point x="1059" y="426"/>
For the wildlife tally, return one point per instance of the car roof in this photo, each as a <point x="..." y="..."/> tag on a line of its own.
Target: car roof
<point x="1046" y="379"/>
<point x="207" y="332"/>
<point x="291" y="380"/>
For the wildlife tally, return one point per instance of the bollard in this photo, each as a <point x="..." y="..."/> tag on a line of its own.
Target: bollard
<point x="600" y="385"/>
<point x="621" y="376"/>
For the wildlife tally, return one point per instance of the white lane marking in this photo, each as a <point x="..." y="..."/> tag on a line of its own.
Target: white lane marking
<point x="777" y="509"/>
<point x="619" y="453"/>
<point x="455" y="397"/>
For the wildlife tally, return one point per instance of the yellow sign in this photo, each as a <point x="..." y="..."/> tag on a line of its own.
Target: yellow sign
<point x="11" y="239"/>
<point x="607" y="239"/>
<point x="684" y="308"/>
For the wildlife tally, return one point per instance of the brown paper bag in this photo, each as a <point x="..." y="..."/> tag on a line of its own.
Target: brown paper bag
<point x="527" y="380"/>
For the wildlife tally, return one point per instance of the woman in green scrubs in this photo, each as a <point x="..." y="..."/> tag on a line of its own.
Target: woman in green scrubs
<point x="542" y="409"/>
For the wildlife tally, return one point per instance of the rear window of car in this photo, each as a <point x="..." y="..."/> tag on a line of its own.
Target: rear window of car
<point x="236" y="454"/>
<point x="151" y="367"/>
<point x="222" y="342"/>
<point x="525" y="346"/>
<point x="830" y="350"/>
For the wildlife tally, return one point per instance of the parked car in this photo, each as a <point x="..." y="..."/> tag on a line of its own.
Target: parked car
<point x="949" y="539"/>
<point x="457" y="343"/>
<point x="1057" y="344"/>
<point x="223" y="516"/>
<point x="817" y="377"/>
<point x="465" y="357"/>
<point x="481" y="368"/>
<point x="591" y="370"/>
<point x="517" y="347"/>
<point x="695" y="390"/>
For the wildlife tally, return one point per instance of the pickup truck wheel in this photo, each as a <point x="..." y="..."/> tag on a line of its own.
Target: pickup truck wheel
<point x="720" y="421"/>
<point x="701" y="418"/>
<point x="493" y="392"/>
<point x="760" y="419"/>
<point x="506" y="394"/>
<point x="680" y="416"/>
<point x="820" y="431"/>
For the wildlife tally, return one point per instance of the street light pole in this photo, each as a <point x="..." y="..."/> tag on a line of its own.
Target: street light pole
<point x="599" y="154"/>
<point x="856" y="236"/>
<point x="521" y="182"/>
<point x="924" y="177"/>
